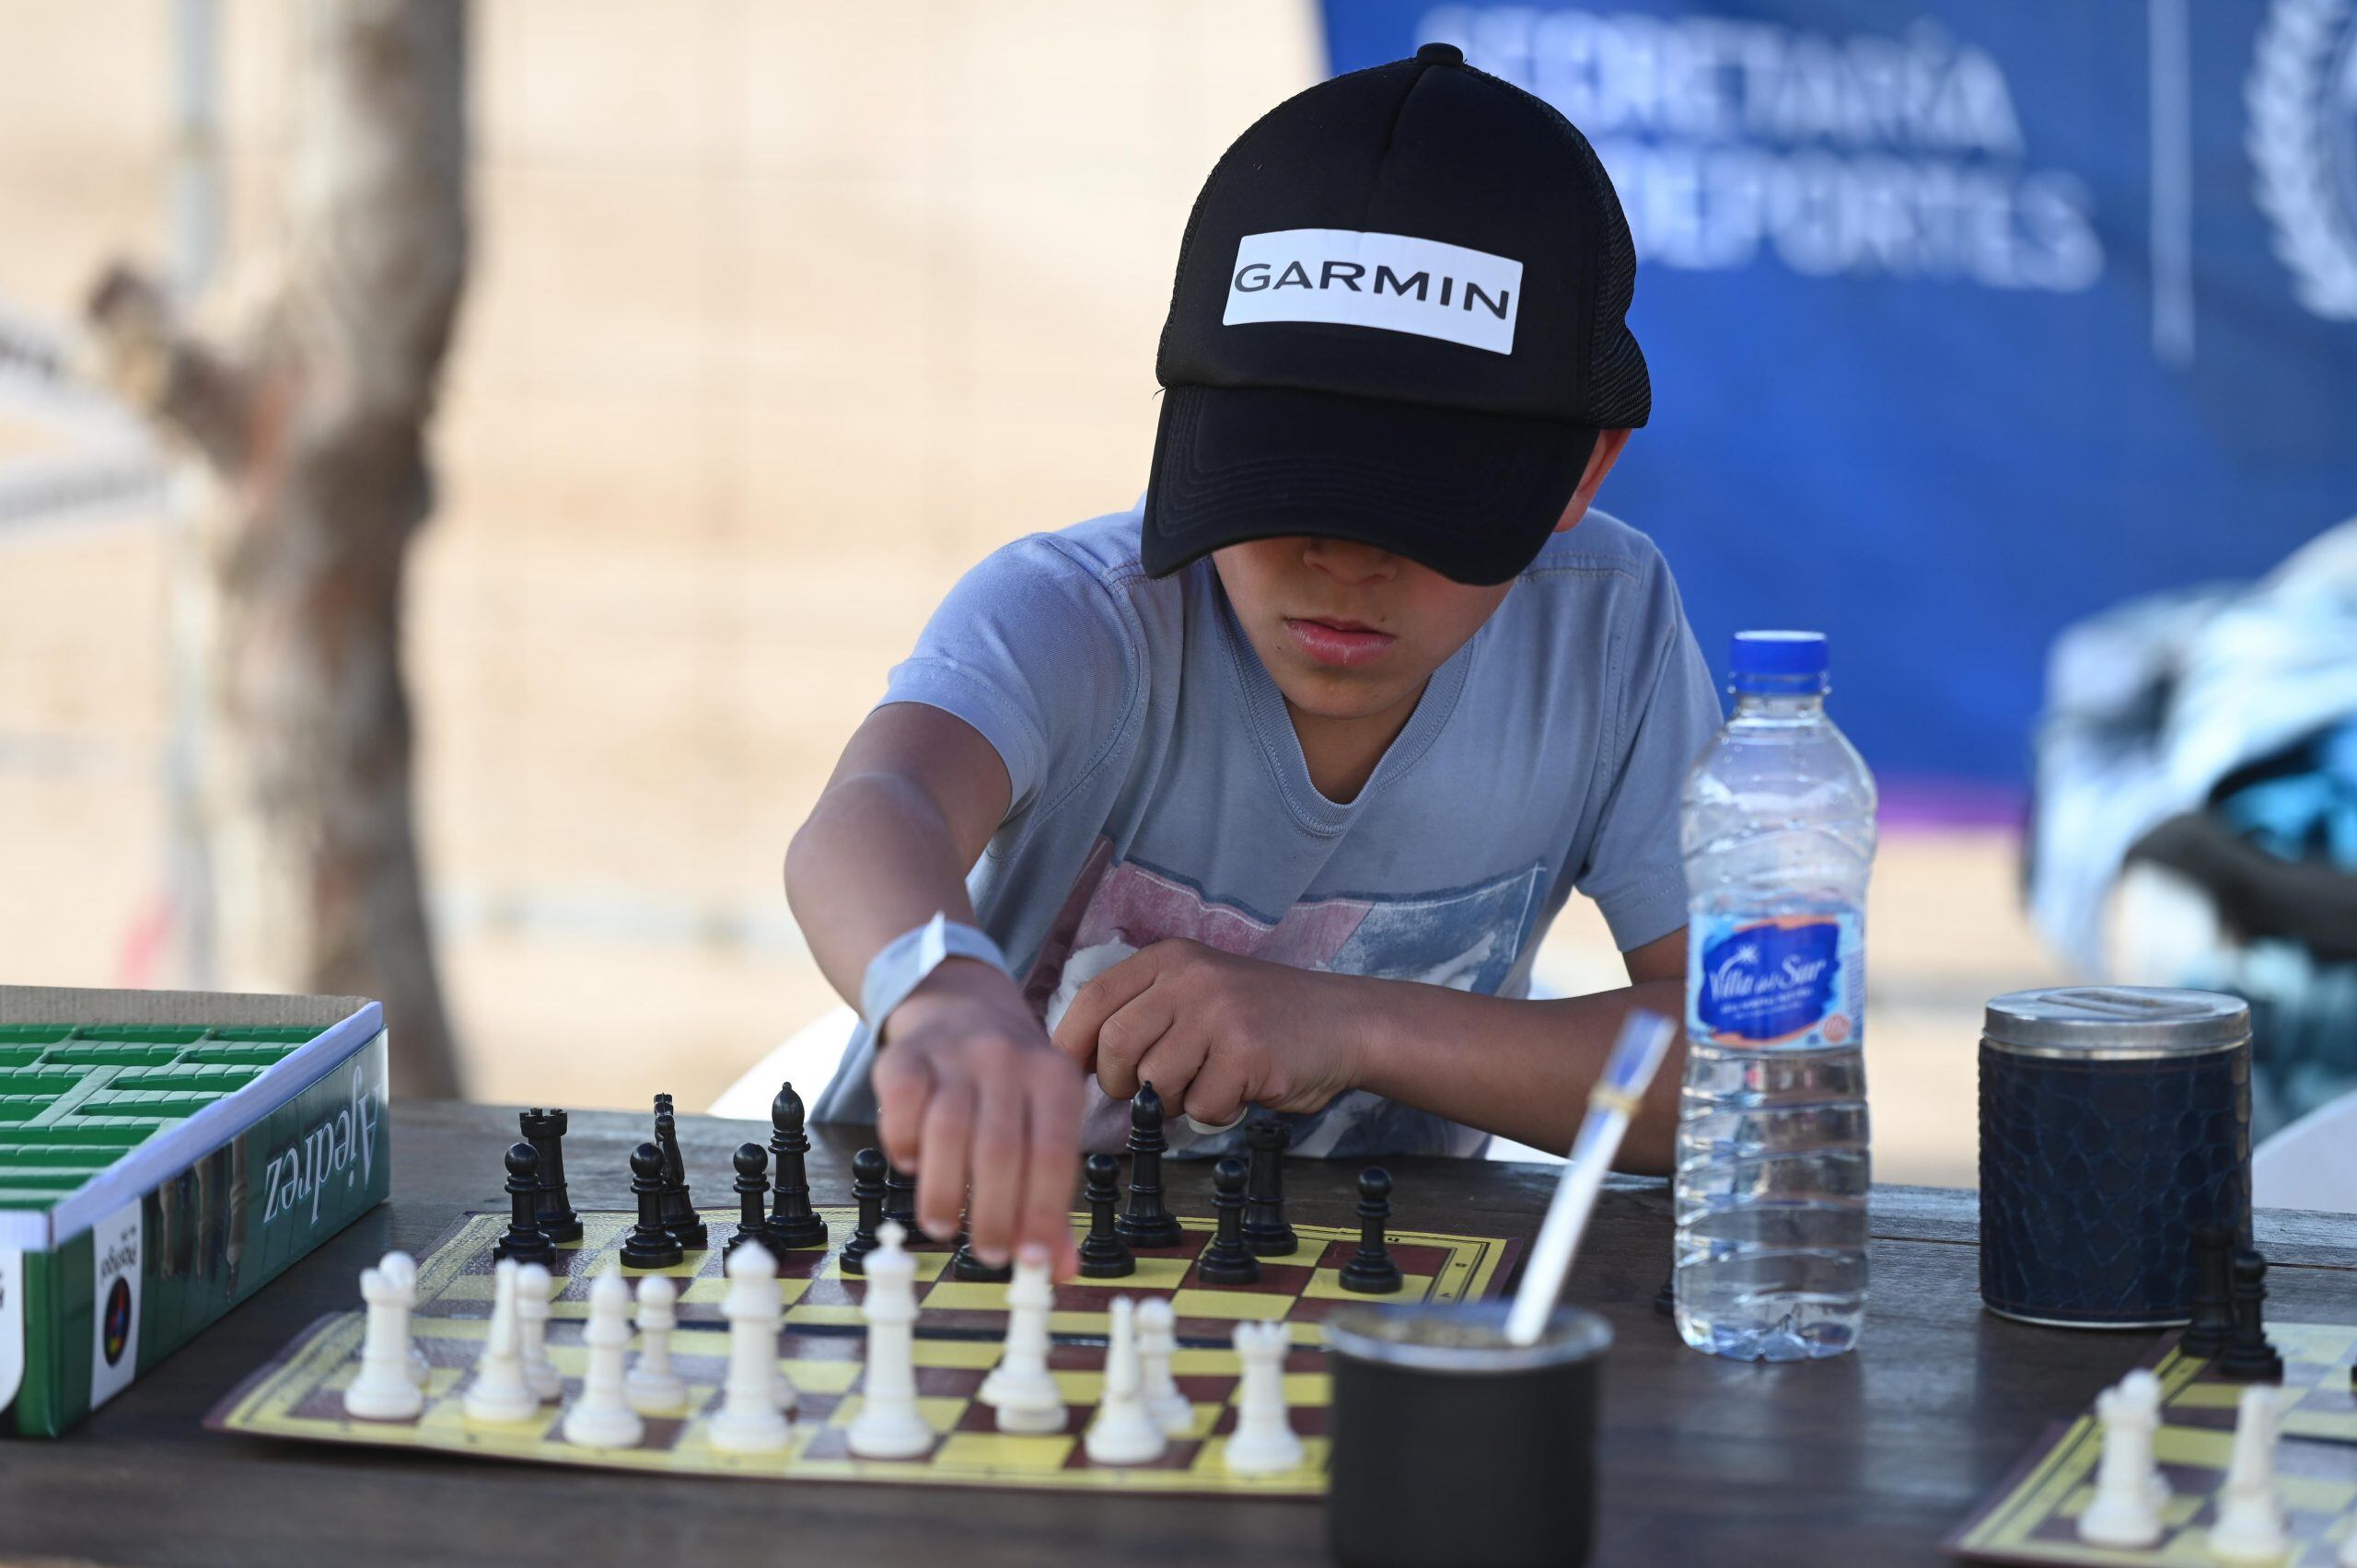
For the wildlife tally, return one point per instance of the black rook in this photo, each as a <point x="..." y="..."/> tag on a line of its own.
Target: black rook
<point x="544" y="1130"/>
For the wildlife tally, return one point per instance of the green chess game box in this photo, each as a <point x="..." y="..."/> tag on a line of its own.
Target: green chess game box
<point x="163" y="1155"/>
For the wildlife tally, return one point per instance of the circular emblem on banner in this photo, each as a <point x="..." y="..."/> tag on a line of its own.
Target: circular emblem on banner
<point x="116" y="1331"/>
<point x="2303" y="99"/>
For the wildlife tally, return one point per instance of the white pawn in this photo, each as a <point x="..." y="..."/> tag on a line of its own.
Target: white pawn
<point x="401" y="1268"/>
<point x="2249" y="1525"/>
<point x="1157" y="1343"/>
<point x="890" y="1425"/>
<point x="1020" y="1385"/>
<point x="1263" y="1442"/>
<point x="383" y="1388"/>
<point x="653" y="1386"/>
<point x="499" y="1392"/>
<point x="2130" y="1491"/>
<point x="601" y="1417"/>
<point x="749" y="1421"/>
<point x="1124" y="1432"/>
<point x="532" y="1285"/>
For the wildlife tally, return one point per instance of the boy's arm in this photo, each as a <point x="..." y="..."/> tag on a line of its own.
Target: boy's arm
<point x="968" y="1088"/>
<point x="1225" y="1032"/>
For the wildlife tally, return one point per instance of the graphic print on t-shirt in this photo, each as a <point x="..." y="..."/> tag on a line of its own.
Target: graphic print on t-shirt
<point x="1465" y="939"/>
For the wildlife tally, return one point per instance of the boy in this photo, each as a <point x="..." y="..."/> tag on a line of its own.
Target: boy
<point x="1269" y="788"/>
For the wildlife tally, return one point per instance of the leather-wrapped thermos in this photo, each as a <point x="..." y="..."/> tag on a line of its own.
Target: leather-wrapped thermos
<point x="2114" y="1119"/>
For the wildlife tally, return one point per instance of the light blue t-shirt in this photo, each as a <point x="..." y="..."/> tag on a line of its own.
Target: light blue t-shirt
<point x="1159" y="790"/>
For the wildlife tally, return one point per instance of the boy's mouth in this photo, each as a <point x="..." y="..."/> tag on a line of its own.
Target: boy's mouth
<point x="1336" y="642"/>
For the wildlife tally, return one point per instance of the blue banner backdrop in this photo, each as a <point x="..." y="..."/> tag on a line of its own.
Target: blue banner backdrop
<point x="1965" y="319"/>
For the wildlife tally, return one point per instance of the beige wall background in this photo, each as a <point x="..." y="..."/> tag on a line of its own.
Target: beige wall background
<point x="782" y="315"/>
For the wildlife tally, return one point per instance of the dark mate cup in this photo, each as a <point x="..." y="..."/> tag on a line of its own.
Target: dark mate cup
<point x="1452" y="1444"/>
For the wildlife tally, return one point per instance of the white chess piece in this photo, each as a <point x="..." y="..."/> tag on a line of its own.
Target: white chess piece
<point x="653" y="1386"/>
<point x="600" y="1416"/>
<point x="2249" y="1525"/>
<point x="1020" y="1385"/>
<point x="749" y="1420"/>
<point x="890" y="1425"/>
<point x="1124" y="1432"/>
<point x="2130" y="1492"/>
<point x="498" y="1392"/>
<point x="1157" y="1343"/>
<point x="532" y="1286"/>
<point x="401" y="1268"/>
<point x="1263" y="1442"/>
<point x="383" y="1388"/>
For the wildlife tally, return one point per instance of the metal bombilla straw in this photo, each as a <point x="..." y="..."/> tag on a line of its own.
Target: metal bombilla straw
<point x="1636" y="1057"/>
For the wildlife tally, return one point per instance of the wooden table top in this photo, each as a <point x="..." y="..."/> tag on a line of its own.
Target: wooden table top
<point x="1871" y="1458"/>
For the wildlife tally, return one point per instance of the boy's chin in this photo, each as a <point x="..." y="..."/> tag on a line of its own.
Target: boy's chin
<point x="1341" y="696"/>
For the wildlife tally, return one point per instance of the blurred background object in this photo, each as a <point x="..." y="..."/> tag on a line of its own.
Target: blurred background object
<point x="1966" y="323"/>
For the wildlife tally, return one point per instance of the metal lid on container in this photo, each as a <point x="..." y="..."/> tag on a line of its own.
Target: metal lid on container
<point x="2115" y="1022"/>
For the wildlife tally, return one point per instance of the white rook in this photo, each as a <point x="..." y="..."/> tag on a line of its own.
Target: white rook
<point x="384" y="1388"/>
<point x="1262" y="1442"/>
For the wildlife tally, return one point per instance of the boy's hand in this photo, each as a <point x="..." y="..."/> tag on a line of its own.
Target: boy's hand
<point x="1215" y="1033"/>
<point x="969" y="1090"/>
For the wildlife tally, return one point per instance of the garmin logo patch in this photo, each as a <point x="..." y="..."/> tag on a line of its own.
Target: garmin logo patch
<point x="1393" y="282"/>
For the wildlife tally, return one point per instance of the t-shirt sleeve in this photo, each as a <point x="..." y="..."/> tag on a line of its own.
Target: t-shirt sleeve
<point x="1031" y="649"/>
<point x="1669" y="710"/>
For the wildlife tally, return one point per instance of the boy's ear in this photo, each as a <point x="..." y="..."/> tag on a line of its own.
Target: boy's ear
<point x="1608" y="447"/>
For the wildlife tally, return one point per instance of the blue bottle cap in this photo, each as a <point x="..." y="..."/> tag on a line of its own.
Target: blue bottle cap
<point x="1778" y="663"/>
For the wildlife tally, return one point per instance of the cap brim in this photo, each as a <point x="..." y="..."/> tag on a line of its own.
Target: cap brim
<point x="1471" y="495"/>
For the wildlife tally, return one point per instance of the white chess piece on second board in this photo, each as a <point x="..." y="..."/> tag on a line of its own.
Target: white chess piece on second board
<point x="2130" y="1492"/>
<point x="1263" y="1442"/>
<point x="600" y="1416"/>
<point x="749" y="1420"/>
<point x="498" y="1392"/>
<point x="384" y="1388"/>
<point x="890" y="1425"/>
<point x="654" y="1386"/>
<point x="2250" y="1522"/>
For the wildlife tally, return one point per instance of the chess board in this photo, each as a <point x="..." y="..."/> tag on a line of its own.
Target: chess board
<point x="959" y="1330"/>
<point x="2031" y="1516"/>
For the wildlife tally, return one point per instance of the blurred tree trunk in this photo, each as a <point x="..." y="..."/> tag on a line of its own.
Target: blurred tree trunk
<point x="311" y="420"/>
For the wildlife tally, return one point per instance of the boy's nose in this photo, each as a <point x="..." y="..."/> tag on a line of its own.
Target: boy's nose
<point x="1348" y="562"/>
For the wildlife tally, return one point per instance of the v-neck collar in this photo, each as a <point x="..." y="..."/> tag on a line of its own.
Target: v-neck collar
<point x="1271" y="725"/>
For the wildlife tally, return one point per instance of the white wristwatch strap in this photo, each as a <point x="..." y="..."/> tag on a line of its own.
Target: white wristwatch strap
<point x="901" y="964"/>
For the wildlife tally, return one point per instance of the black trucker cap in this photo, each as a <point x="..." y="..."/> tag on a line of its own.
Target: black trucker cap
<point x="1397" y="319"/>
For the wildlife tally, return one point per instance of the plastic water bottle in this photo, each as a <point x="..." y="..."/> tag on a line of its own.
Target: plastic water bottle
<point x="1772" y="1170"/>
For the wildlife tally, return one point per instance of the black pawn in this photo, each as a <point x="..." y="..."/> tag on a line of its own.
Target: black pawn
<point x="525" y="1241"/>
<point x="2248" y="1358"/>
<point x="680" y="1216"/>
<point x="1103" y="1254"/>
<point x="752" y="1193"/>
<point x="1227" y="1261"/>
<point x="1372" y="1272"/>
<point x="1265" y="1230"/>
<point x="866" y="1190"/>
<point x="2212" y="1326"/>
<point x="1148" y="1224"/>
<point x="544" y="1130"/>
<point x="900" y="1199"/>
<point x="648" y="1246"/>
<point x="792" y="1223"/>
<point x="973" y="1270"/>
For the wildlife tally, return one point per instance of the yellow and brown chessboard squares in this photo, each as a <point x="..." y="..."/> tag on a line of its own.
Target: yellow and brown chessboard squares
<point x="2320" y="1400"/>
<point x="457" y="1279"/>
<point x="2033" y="1516"/>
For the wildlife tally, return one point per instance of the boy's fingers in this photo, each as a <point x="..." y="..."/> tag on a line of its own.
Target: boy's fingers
<point x="1077" y="1031"/>
<point x="1171" y="1066"/>
<point x="902" y="1087"/>
<point x="1216" y="1095"/>
<point x="1127" y="1038"/>
<point x="1054" y="1156"/>
<point x="941" y="1176"/>
<point x="998" y="1171"/>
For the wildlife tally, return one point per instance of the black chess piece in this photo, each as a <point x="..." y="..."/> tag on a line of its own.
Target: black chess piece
<point x="792" y="1223"/>
<point x="900" y="1199"/>
<point x="680" y="1216"/>
<point x="648" y="1246"/>
<point x="2213" y="1325"/>
<point x="1147" y="1226"/>
<point x="1371" y="1271"/>
<point x="1103" y="1254"/>
<point x="544" y="1130"/>
<point x="867" y="1190"/>
<point x="2249" y="1357"/>
<point x="1227" y="1260"/>
<point x="752" y="1193"/>
<point x="1265" y="1230"/>
<point x="973" y="1270"/>
<point x="525" y="1241"/>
